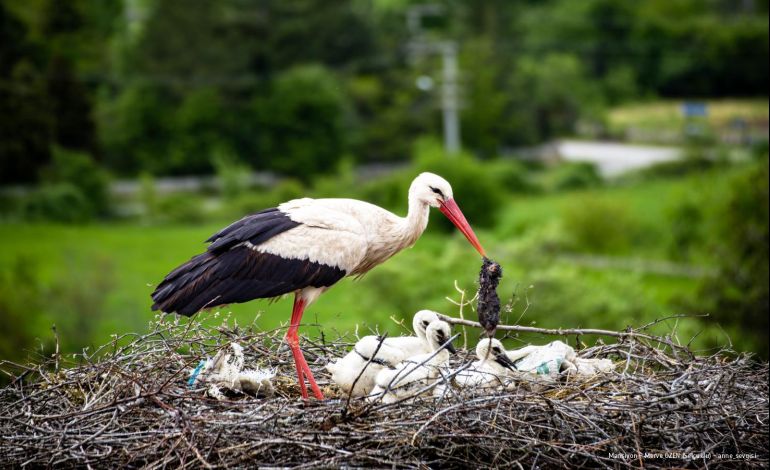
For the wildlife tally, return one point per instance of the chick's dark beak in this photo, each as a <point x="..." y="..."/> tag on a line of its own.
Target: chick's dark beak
<point x="450" y="347"/>
<point x="503" y="360"/>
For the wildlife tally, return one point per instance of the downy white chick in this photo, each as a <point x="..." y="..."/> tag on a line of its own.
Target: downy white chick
<point x="416" y="372"/>
<point x="490" y="370"/>
<point x="357" y="365"/>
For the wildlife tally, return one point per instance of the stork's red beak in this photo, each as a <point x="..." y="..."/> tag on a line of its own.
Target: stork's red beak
<point x="450" y="209"/>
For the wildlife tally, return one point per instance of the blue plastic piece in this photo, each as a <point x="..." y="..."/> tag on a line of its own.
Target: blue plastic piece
<point x="195" y="373"/>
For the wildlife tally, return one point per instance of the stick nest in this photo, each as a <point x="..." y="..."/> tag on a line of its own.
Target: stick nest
<point x="128" y="404"/>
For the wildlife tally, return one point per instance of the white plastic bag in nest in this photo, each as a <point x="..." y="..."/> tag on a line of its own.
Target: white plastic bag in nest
<point x="556" y="358"/>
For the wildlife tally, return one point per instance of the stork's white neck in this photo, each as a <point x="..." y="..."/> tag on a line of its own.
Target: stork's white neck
<point x="416" y="220"/>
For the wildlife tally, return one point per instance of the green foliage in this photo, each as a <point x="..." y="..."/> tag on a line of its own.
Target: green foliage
<point x="234" y="178"/>
<point x="80" y="170"/>
<point x="609" y="303"/>
<point x="686" y="219"/>
<point x="577" y="175"/>
<point x="554" y="93"/>
<point x="693" y="163"/>
<point x="166" y="103"/>
<point x="389" y="191"/>
<point x="739" y="294"/>
<point x="181" y="208"/>
<point x="148" y="197"/>
<point x="73" y="304"/>
<point x="135" y="129"/>
<point x="599" y="225"/>
<point x="75" y="190"/>
<point x="198" y="134"/>
<point x="478" y="190"/>
<point x="255" y="200"/>
<point x="303" y="122"/>
<point x="25" y="117"/>
<point x="58" y="202"/>
<point x="21" y="306"/>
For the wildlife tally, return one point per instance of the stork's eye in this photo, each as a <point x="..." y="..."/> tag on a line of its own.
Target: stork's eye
<point x="437" y="191"/>
<point x="425" y="323"/>
<point x="496" y="349"/>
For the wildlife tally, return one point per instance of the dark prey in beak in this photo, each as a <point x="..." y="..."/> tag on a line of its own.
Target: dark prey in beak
<point x="488" y="308"/>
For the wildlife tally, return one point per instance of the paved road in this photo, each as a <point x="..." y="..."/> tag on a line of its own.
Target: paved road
<point x="612" y="158"/>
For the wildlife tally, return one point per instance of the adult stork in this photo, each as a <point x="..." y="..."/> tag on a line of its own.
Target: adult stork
<point x="303" y="246"/>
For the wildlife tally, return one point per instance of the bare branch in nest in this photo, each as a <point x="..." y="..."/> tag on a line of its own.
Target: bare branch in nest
<point x="630" y="333"/>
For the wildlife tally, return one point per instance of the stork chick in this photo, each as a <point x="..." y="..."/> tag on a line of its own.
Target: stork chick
<point x="416" y="372"/>
<point x="490" y="370"/>
<point x="355" y="372"/>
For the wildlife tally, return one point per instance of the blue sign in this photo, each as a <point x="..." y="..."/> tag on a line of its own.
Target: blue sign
<point x="694" y="109"/>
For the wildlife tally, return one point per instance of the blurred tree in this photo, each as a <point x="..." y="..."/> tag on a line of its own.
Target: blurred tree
<point x="136" y="129"/>
<point x="302" y="120"/>
<point x="553" y="92"/>
<point x="25" y="117"/>
<point x="70" y="101"/>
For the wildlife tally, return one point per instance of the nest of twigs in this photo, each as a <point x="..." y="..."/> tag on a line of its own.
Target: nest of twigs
<point x="128" y="404"/>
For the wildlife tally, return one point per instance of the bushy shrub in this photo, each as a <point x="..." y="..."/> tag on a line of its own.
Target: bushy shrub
<point x="692" y="162"/>
<point x="579" y="175"/>
<point x="61" y="202"/>
<point x="181" y="208"/>
<point x="233" y="177"/>
<point x="82" y="172"/>
<point x="303" y="121"/>
<point x="514" y="176"/>
<point x="739" y="295"/>
<point x="255" y="200"/>
<point x="686" y="219"/>
<point x="389" y="191"/>
<point x="599" y="226"/>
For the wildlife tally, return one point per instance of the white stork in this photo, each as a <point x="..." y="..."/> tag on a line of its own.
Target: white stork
<point x="303" y="246"/>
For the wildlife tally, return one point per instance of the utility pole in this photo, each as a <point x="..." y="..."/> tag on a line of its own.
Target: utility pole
<point x="420" y="46"/>
<point x="450" y="103"/>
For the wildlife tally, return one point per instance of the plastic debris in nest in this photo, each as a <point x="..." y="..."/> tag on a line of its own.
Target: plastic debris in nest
<point x="488" y="308"/>
<point x="224" y="376"/>
<point x="549" y="361"/>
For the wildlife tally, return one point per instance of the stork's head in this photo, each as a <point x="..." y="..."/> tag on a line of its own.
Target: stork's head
<point x="492" y="349"/>
<point x="421" y="320"/>
<point x="434" y="191"/>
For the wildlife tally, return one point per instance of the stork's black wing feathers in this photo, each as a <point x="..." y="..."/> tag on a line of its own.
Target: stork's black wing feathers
<point x="255" y="228"/>
<point x="231" y="272"/>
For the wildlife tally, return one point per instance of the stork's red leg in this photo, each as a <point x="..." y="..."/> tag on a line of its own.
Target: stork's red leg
<point x="292" y="338"/>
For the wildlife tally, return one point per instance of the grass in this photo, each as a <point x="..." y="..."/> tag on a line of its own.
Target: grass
<point x="126" y="261"/>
